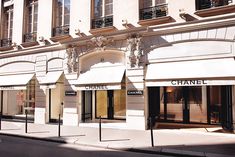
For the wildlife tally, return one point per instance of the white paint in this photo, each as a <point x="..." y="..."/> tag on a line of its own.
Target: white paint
<point x="40" y="115"/>
<point x="199" y="69"/>
<point x="191" y="49"/>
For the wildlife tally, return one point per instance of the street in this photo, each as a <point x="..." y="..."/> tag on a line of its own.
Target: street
<point x="15" y="147"/>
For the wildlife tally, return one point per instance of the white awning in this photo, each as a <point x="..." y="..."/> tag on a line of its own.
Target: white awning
<point x="15" y="82"/>
<point x="51" y="79"/>
<point x="189" y="73"/>
<point x="101" y="78"/>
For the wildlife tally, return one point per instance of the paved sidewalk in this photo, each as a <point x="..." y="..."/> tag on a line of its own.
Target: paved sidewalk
<point x="194" y="142"/>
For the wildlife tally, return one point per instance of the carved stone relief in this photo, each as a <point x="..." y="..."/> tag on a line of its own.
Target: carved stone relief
<point x="72" y="59"/>
<point x="135" y="51"/>
<point x="100" y="42"/>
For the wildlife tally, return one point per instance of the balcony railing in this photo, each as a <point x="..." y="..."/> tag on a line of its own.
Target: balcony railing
<point x="30" y="37"/>
<point x="102" y="22"/>
<point x="206" y="4"/>
<point x="7" y="42"/>
<point x="61" y="30"/>
<point x="153" y="12"/>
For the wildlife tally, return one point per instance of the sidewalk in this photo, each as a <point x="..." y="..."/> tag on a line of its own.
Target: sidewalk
<point x="192" y="142"/>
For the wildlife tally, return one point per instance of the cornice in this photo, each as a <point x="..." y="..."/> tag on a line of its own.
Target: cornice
<point x="32" y="50"/>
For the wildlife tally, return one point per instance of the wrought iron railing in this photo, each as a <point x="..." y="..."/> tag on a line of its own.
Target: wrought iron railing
<point x="61" y="30"/>
<point x="7" y="42"/>
<point x="153" y="12"/>
<point x="102" y="22"/>
<point x="206" y="4"/>
<point x="30" y="37"/>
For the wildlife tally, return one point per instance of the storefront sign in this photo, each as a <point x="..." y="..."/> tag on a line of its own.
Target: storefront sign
<point x="188" y="82"/>
<point x="13" y="88"/>
<point x="135" y="92"/>
<point x="96" y="87"/>
<point x="70" y="93"/>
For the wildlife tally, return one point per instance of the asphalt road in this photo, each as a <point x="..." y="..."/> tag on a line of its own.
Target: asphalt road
<point x="21" y="147"/>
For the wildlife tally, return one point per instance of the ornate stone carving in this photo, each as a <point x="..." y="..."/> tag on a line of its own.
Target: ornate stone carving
<point x="100" y="42"/>
<point x="72" y="59"/>
<point x="135" y="49"/>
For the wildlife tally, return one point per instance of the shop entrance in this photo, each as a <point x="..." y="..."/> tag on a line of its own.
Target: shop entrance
<point x="86" y="105"/>
<point x="197" y="104"/>
<point x="182" y="104"/>
<point x="111" y="104"/>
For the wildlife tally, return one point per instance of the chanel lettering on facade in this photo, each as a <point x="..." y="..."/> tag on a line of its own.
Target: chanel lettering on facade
<point x="188" y="82"/>
<point x="135" y="92"/>
<point x="70" y="93"/>
<point x="96" y="87"/>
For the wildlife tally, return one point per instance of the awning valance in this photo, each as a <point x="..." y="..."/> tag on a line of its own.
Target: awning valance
<point x="51" y="79"/>
<point x="192" y="73"/>
<point x="101" y="78"/>
<point x="15" y="82"/>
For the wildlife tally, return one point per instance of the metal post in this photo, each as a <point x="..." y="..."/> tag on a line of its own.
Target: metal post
<point x="151" y="129"/>
<point x="1" y="110"/>
<point x="1" y="120"/>
<point x="26" y="121"/>
<point x="100" y="129"/>
<point x="59" y="127"/>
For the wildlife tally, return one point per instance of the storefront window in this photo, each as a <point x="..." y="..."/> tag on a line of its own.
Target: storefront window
<point x="173" y="104"/>
<point x="198" y="110"/>
<point x="111" y="104"/>
<point x="30" y="97"/>
<point x="120" y="104"/>
<point x="215" y="104"/>
<point x="101" y="104"/>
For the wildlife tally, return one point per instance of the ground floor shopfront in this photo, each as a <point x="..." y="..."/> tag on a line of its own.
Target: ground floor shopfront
<point x="107" y="104"/>
<point x="192" y="104"/>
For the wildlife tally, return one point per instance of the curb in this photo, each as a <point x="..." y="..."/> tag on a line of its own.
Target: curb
<point x="136" y="150"/>
<point x="159" y="151"/>
<point x="35" y="138"/>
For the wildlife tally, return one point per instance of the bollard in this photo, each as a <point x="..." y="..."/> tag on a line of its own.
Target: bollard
<point x="59" y="127"/>
<point x="151" y="129"/>
<point x="100" y="129"/>
<point x="26" y="121"/>
<point x="1" y="121"/>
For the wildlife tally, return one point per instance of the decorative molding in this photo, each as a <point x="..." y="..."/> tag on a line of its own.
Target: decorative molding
<point x="101" y="42"/>
<point x="136" y="51"/>
<point x="72" y="60"/>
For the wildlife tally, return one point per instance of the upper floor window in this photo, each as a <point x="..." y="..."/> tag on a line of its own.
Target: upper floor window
<point x="61" y="17"/>
<point x="150" y="9"/>
<point x="102" y="13"/>
<point x="31" y="20"/>
<point x="205" y="4"/>
<point x="7" y="21"/>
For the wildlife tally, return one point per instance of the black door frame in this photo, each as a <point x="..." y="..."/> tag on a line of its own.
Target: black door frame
<point x="110" y="105"/>
<point x="84" y="105"/>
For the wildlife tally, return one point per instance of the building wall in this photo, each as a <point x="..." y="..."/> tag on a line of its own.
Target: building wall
<point x="204" y="38"/>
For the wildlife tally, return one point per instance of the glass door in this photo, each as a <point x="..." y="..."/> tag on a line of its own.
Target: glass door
<point x="171" y="104"/>
<point x="111" y="104"/>
<point x="87" y="105"/>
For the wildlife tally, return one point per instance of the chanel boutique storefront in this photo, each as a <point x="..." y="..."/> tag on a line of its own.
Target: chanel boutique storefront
<point x="102" y="86"/>
<point x="17" y="95"/>
<point x="199" y="91"/>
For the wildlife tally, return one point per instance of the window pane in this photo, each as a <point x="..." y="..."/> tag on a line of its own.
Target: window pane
<point x="174" y="103"/>
<point x="101" y="104"/>
<point x="66" y="20"/>
<point x="147" y="3"/>
<point x="160" y="2"/>
<point x="98" y="8"/>
<point x="108" y="10"/>
<point x="119" y="103"/>
<point x="198" y="111"/>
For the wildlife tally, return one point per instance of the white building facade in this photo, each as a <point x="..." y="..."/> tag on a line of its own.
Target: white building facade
<point x="171" y="60"/>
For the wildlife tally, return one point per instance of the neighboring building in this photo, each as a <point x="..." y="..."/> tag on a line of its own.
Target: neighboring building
<point x="172" y="60"/>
